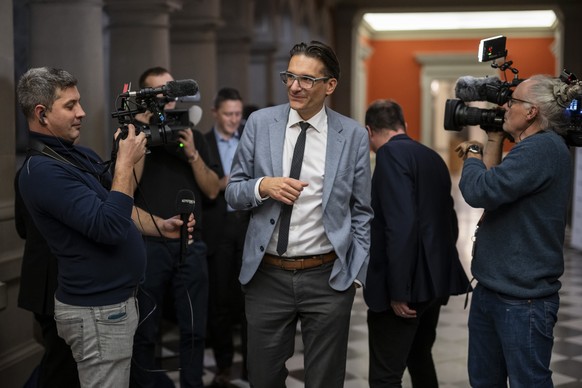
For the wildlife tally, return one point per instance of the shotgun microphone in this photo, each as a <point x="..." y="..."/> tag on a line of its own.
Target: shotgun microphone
<point x="172" y="89"/>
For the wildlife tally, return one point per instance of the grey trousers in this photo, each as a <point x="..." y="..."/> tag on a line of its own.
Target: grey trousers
<point x="275" y="301"/>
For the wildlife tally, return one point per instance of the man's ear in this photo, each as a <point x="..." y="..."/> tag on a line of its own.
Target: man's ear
<point x="331" y="85"/>
<point x="40" y="111"/>
<point x="532" y="113"/>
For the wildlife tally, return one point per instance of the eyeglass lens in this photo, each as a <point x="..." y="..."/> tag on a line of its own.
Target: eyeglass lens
<point x="304" y="82"/>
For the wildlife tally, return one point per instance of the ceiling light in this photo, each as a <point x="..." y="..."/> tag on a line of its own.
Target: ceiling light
<point x="459" y="20"/>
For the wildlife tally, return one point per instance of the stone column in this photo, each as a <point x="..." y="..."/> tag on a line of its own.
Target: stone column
<point x="263" y="76"/>
<point x="193" y="51"/>
<point x="263" y="72"/>
<point x="139" y="38"/>
<point x="19" y="352"/>
<point x="68" y="34"/>
<point x="234" y="44"/>
<point x="344" y="43"/>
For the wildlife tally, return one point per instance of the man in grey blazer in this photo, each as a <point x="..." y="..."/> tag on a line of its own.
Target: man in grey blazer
<point x="307" y="271"/>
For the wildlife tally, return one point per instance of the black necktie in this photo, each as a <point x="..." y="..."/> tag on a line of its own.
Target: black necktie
<point x="296" y="163"/>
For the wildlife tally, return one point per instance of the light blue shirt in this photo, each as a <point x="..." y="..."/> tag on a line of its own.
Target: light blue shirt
<point x="226" y="150"/>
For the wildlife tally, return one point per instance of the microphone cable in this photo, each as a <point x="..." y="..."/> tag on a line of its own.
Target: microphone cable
<point x="150" y="297"/>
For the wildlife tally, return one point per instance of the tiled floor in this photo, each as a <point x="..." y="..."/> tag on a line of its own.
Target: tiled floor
<point x="450" y="350"/>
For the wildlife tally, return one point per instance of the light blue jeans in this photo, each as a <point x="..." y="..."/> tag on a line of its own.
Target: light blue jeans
<point x="101" y="340"/>
<point x="511" y="339"/>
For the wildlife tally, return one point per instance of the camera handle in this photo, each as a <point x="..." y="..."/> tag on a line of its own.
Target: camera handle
<point x="506" y="66"/>
<point x="115" y="148"/>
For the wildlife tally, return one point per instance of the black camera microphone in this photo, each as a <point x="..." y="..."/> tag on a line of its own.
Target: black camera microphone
<point x="172" y="89"/>
<point x="184" y="206"/>
<point x="476" y="89"/>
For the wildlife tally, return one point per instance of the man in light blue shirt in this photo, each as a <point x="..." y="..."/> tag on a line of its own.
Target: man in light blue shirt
<point x="224" y="234"/>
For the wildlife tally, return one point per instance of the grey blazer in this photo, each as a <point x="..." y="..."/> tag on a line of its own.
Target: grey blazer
<point x="346" y="191"/>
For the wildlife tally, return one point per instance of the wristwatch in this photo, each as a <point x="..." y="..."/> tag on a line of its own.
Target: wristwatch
<point x="475" y="149"/>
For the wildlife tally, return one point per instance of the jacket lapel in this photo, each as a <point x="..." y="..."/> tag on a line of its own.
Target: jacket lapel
<point x="335" y="145"/>
<point x="276" y="135"/>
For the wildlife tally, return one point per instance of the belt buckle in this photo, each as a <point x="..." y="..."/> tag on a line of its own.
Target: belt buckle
<point x="286" y="260"/>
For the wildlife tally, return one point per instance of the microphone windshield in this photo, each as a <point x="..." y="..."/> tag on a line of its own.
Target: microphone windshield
<point x="185" y="201"/>
<point x="181" y="88"/>
<point x="470" y="88"/>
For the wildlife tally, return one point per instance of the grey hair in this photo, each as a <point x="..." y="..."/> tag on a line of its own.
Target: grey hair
<point x="551" y="95"/>
<point x="39" y="86"/>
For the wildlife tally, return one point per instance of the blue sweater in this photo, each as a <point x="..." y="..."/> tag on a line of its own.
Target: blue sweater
<point x="101" y="255"/>
<point x="519" y="245"/>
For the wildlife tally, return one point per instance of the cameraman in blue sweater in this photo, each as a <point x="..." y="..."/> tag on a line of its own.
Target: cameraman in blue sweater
<point x="518" y="246"/>
<point x="90" y="224"/>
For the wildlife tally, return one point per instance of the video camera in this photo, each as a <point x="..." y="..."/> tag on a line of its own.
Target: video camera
<point x="492" y="89"/>
<point x="165" y="125"/>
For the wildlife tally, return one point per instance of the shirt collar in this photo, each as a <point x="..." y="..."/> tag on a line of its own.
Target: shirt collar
<point x="316" y="121"/>
<point x="220" y="138"/>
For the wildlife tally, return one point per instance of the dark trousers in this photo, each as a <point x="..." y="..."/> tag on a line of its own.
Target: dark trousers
<point x="57" y="367"/>
<point x="275" y="301"/>
<point x="397" y="343"/>
<point x="225" y="299"/>
<point x="188" y="283"/>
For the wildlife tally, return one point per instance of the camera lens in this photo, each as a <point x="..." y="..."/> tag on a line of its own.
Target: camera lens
<point x="458" y="115"/>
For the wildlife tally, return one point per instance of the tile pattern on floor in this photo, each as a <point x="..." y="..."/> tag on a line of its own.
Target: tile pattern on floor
<point x="450" y="349"/>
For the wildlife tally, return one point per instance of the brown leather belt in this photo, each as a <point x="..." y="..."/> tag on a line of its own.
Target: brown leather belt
<point x="300" y="262"/>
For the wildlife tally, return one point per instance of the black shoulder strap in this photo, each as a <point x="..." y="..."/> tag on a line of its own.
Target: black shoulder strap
<point x="39" y="148"/>
<point x="36" y="147"/>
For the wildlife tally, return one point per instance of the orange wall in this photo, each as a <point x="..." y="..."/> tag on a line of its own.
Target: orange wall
<point x="394" y="73"/>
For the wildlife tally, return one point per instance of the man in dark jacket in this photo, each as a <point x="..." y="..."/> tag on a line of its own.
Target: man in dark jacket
<point x="414" y="264"/>
<point x="88" y="218"/>
<point x="38" y="284"/>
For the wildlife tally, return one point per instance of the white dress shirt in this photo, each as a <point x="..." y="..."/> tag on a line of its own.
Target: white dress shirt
<point x="306" y="233"/>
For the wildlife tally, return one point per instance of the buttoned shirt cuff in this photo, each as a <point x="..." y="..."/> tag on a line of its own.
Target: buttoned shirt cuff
<point x="257" y="193"/>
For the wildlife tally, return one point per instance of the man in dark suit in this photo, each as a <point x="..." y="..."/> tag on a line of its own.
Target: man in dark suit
<point x="38" y="284"/>
<point x="414" y="264"/>
<point x="224" y="234"/>
<point x="307" y="245"/>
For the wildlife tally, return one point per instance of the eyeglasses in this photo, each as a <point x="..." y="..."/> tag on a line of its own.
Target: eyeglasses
<point x="512" y="100"/>
<point x="305" y="81"/>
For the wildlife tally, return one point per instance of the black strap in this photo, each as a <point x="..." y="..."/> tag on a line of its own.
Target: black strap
<point x="43" y="149"/>
<point x="36" y="147"/>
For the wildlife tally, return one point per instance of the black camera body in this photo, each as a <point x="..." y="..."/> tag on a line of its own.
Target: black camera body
<point x="493" y="90"/>
<point x="165" y="125"/>
<point x="167" y="131"/>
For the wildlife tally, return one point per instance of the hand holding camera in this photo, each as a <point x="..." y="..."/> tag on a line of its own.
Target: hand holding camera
<point x="131" y="146"/>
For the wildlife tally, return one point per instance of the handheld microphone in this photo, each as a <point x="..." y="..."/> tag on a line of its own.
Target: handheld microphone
<point x="172" y="89"/>
<point x="470" y="88"/>
<point x="184" y="206"/>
